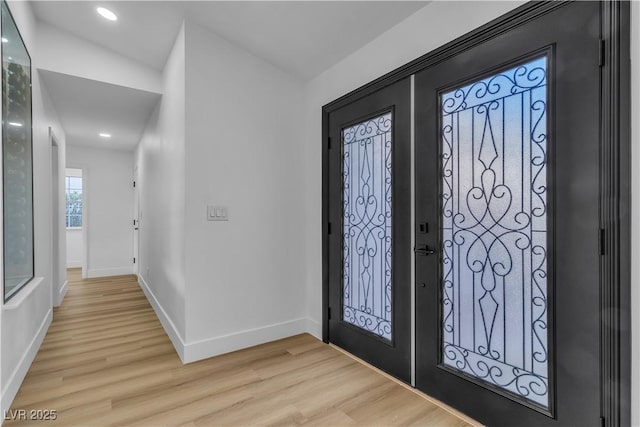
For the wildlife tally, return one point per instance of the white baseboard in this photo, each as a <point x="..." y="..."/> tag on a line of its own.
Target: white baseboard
<point x="165" y="320"/>
<point x="12" y="385"/>
<point x="215" y="346"/>
<point x="314" y="328"/>
<point x="105" y="272"/>
<point x="61" y="294"/>
<point x="210" y="347"/>
<point x="74" y="264"/>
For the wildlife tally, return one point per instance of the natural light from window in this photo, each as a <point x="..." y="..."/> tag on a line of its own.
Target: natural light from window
<point x="73" y="188"/>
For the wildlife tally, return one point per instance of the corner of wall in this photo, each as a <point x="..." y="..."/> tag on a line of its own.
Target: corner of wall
<point x="215" y="346"/>
<point x="250" y="164"/>
<point x="159" y="159"/>
<point x="314" y="328"/>
<point x="165" y="320"/>
<point x="61" y="294"/>
<point x="65" y="53"/>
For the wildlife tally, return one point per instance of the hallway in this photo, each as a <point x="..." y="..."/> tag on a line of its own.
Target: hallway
<point x="107" y="361"/>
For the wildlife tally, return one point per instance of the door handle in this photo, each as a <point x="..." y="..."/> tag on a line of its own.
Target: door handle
<point x="424" y="251"/>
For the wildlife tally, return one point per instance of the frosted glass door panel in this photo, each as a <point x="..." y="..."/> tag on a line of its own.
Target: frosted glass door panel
<point x="367" y="242"/>
<point x="494" y="169"/>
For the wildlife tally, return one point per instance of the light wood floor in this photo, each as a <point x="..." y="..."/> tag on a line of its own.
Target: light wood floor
<point x="107" y="361"/>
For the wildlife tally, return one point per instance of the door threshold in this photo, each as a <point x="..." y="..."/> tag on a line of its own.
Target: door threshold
<point x="436" y="402"/>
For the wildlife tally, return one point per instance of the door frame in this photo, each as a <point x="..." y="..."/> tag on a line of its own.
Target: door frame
<point x="615" y="184"/>
<point x="85" y="216"/>
<point x="136" y="222"/>
<point x="59" y="287"/>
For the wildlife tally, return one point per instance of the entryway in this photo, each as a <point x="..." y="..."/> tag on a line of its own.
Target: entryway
<point x="466" y="221"/>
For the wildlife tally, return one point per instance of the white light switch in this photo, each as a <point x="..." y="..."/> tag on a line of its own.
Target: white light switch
<point x="217" y="213"/>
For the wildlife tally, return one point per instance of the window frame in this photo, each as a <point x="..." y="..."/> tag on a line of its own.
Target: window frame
<point x="66" y="192"/>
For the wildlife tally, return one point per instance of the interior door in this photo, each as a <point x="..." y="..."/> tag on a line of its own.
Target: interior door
<point x="136" y="223"/>
<point x="507" y="156"/>
<point x="369" y="228"/>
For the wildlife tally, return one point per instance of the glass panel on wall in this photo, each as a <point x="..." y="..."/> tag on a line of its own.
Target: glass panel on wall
<point x="17" y="158"/>
<point x="73" y="187"/>
<point x="367" y="301"/>
<point x="494" y="198"/>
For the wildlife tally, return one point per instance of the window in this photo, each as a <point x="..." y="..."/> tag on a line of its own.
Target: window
<point x="73" y="187"/>
<point x="367" y="244"/>
<point x="494" y="169"/>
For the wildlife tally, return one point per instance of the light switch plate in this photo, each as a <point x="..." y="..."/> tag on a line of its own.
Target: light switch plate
<point x="217" y="213"/>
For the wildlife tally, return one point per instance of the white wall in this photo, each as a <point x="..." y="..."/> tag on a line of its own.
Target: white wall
<point x="245" y="279"/>
<point x="161" y="180"/>
<point x="74" y="247"/>
<point x="65" y="53"/>
<point x="221" y="286"/>
<point x="108" y="208"/>
<point x="25" y="319"/>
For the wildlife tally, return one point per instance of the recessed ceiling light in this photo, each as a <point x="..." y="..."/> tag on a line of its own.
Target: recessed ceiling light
<point x="107" y="14"/>
<point x="5" y="40"/>
<point x="105" y="135"/>
<point x="16" y="124"/>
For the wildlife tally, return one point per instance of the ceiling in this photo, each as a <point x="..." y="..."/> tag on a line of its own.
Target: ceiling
<point x="88" y="107"/>
<point x="301" y="37"/>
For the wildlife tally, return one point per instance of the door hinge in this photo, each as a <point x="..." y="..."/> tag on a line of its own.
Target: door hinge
<point x="601" y="241"/>
<point x="329" y="143"/>
<point x="602" y="423"/>
<point x="329" y="313"/>
<point x="134" y="184"/>
<point x="134" y="222"/>
<point x="328" y="228"/>
<point x="134" y="260"/>
<point x="601" y="52"/>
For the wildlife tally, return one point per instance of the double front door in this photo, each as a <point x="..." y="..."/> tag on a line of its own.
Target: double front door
<point x="463" y="206"/>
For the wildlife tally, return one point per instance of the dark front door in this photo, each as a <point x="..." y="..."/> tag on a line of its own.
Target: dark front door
<point x="507" y="177"/>
<point x="369" y="228"/>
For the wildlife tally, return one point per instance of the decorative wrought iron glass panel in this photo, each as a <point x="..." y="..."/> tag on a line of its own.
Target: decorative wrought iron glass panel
<point x="17" y="158"/>
<point x="494" y="164"/>
<point x="367" y="300"/>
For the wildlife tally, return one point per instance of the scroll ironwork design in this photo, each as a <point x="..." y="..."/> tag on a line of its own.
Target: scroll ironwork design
<point x="494" y="213"/>
<point x="367" y="240"/>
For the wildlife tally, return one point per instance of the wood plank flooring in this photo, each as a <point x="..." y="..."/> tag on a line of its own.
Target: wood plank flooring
<point x="107" y="361"/>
